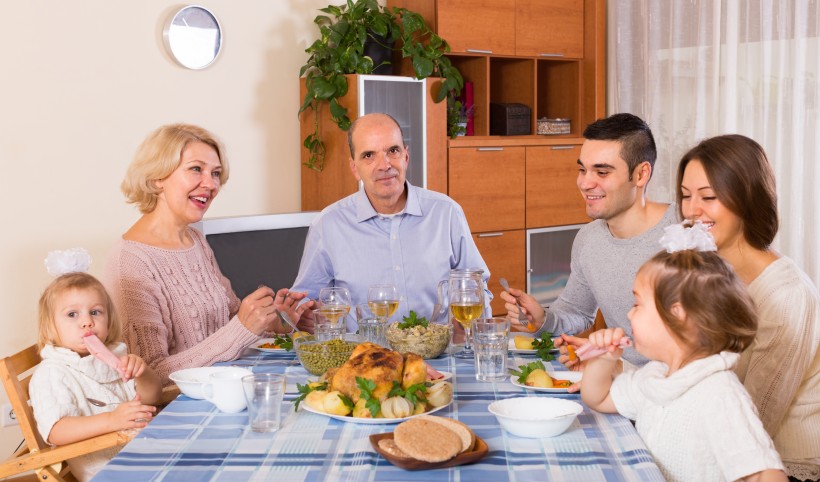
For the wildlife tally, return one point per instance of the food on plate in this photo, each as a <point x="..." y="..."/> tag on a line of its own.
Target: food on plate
<point x="376" y="382"/>
<point x="389" y="446"/>
<point x="543" y="346"/>
<point x="461" y="429"/>
<point x="433" y="374"/>
<point x="282" y="342"/>
<point x="335" y="404"/>
<point x="439" y="394"/>
<point x="427" y="441"/>
<point x="98" y="349"/>
<point x="535" y="375"/>
<point x="419" y="336"/>
<point x="523" y="342"/>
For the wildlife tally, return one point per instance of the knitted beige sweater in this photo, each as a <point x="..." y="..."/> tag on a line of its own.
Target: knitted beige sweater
<point x="177" y="309"/>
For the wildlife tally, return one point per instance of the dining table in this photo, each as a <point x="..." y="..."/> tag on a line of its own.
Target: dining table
<point x="191" y="440"/>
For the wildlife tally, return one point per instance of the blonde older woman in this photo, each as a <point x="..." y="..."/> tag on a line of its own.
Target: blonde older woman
<point x="179" y="310"/>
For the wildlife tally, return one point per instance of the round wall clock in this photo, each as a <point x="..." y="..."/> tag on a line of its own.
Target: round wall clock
<point x="193" y="37"/>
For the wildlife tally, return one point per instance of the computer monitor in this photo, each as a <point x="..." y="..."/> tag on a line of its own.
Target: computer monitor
<point x="258" y="250"/>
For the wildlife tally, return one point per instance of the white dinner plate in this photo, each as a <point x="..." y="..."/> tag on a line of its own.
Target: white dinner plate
<point x="369" y="421"/>
<point x="574" y="377"/>
<point x="257" y="346"/>
<point x="515" y="351"/>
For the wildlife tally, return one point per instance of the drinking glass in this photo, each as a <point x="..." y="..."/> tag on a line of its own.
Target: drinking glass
<point x="466" y="304"/>
<point x="490" y="342"/>
<point x="264" y="393"/>
<point x="334" y="303"/>
<point x="327" y="328"/>
<point x="383" y="300"/>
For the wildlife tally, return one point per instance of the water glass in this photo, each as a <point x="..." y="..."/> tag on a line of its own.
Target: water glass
<point x="264" y="393"/>
<point x="490" y="337"/>
<point x="372" y="330"/>
<point x="326" y="328"/>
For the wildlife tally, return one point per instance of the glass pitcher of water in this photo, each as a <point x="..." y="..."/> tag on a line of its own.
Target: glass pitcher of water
<point x="462" y="296"/>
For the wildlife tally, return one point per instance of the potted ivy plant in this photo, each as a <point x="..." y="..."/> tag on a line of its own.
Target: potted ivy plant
<point x="345" y="32"/>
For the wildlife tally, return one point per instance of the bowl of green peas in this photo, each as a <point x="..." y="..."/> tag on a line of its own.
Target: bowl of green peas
<point x="318" y="356"/>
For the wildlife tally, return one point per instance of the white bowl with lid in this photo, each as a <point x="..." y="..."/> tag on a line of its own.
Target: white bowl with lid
<point x="535" y="417"/>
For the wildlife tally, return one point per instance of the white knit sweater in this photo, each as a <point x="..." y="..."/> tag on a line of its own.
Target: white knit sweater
<point x="699" y="423"/>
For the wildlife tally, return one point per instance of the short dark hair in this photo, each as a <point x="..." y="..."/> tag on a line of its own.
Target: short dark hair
<point x="356" y="122"/>
<point x="637" y="142"/>
<point x="720" y="313"/>
<point x="742" y="178"/>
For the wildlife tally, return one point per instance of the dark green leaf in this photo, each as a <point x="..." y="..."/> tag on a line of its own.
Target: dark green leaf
<point x="304" y="390"/>
<point x="422" y="66"/>
<point x="543" y="346"/>
<point x="413" y="320"/>
<point x="527" y="369"/>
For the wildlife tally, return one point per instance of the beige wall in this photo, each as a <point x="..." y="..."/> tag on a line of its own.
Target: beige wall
<point x="82" y="83"/>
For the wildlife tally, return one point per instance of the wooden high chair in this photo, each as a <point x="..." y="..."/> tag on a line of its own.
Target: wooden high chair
<point x="37" y="455"/>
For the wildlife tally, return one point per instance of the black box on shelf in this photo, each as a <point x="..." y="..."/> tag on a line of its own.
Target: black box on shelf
<point x="509" y="120"/>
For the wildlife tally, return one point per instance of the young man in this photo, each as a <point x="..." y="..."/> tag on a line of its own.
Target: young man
<point x="614" y="168"/>
<point x="389" y="231"/>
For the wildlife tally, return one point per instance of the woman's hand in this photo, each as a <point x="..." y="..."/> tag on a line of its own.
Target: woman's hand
<point x="257" y="311"/>
<point x="132" y="414"/>
<point x="288" y="302"/>
<point x="529" y="306"/>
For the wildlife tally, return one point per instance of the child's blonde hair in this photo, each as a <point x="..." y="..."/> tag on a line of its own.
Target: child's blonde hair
<point x="73" y="281"/>
<point x="719" y="313"/>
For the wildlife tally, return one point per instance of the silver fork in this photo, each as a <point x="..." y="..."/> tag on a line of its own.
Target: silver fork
<point x="522" y="318"/>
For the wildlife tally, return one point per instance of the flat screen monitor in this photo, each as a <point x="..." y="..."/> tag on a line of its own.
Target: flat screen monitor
<point x="258" y="250"/>
<point x="548" y="261"/>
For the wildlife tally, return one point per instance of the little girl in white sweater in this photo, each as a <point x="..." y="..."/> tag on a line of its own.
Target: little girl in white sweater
<point x="692" y="316"/>
<point x="74" y="307"/>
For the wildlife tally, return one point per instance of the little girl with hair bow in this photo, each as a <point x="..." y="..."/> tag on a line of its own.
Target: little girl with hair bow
<point x="692" y="317"/>
<point x="73" y="308"/>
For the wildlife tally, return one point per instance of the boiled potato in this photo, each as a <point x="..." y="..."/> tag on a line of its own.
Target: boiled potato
<point x="315" y="399"/>
<point x="332" y="403"/>
<point x="523" y="342"/>
<point x="539" y="378"/>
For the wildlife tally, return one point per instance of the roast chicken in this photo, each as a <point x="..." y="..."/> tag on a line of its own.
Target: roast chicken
<point x="380" y="365"/>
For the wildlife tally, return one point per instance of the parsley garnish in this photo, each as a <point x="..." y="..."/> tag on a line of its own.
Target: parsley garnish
<point x="413" y="394"/>
<point x="544" y="346"/>
<point x="527" y="369"/>
<point x="366" y="387"/>
<point x="413" y="320"/>
<point x="304" y="390"/>
<point x="283" y="342"/>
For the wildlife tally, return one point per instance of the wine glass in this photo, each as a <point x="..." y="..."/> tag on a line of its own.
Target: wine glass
<point x="466" y="304"/>
<point x="334" y="303"/>
<point x="383" y="300"/>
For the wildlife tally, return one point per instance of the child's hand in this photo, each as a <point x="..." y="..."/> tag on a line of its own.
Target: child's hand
<point x="132" y="414"/>
<point x="609" y="339"/>
<point x="133" y="366"/>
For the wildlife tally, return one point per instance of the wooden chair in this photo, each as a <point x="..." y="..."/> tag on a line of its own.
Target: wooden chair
<point x="36" y="455"/>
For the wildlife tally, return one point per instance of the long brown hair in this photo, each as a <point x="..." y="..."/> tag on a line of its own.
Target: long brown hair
<point x="73" y="281"/>
<point x="740" y="175"/>
<point x="719" y="313"/>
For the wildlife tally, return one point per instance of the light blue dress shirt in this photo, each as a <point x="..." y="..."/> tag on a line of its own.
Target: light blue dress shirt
<point x="349" y="244"/>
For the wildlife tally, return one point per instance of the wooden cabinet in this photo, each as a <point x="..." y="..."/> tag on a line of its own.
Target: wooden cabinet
<point x="488" y="183"/>
<point x="553" y="198"/>
<point x="504" y="253"/>
<point x="466" y="23"/>
<point x="549" y="28"/>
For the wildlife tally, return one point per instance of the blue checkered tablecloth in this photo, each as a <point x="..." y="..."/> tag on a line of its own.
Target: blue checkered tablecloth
<point x="190" y="440"/>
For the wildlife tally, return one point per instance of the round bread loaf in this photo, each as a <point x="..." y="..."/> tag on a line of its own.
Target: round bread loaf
<point x="427" y="441"/>
<point x="463" y="431"/>
<point x="389" y="446"/>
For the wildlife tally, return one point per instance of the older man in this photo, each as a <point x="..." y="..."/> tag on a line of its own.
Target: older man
<point x="389" y="231"/>
<point x="615" y="165"/>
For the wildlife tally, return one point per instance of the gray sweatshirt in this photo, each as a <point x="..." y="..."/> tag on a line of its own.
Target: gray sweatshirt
<point x="603" y="270"/>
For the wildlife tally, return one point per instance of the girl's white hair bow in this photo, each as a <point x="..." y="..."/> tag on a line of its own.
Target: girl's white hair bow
<point x="686" y="235"/>
<point x="74" y="260"/>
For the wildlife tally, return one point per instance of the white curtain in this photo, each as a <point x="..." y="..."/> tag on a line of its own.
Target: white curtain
<point x="699" y="68"/>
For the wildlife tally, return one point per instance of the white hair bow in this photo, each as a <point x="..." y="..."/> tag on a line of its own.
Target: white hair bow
<point x="678" y="237"/>
<point x="75" y="260"/>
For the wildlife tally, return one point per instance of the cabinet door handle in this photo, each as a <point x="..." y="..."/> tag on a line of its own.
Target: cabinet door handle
<point x="485" y="149"/>
<point x="562" y="148"/>
<point x="544" y="54"/>
<point x="490" y="235"/>
<point x="479" y="51"/>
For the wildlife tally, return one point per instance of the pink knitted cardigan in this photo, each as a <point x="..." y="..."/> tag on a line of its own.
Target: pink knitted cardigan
<point x="177" y="309"/>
